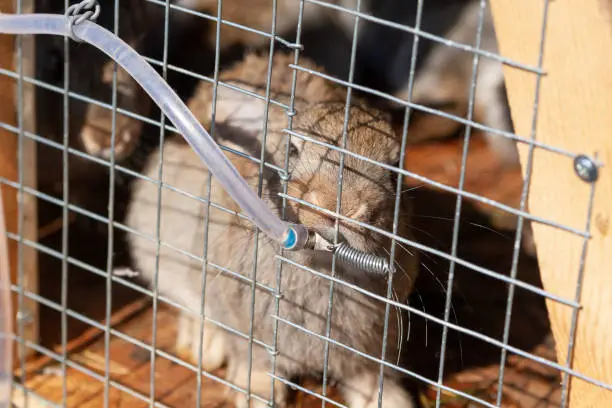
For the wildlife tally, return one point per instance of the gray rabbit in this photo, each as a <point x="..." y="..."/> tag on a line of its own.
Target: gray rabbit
<point x="294" y="300"/>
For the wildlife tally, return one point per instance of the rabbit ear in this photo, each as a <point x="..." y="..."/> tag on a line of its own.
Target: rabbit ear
<point x="237" y="136"/>
<point x="241" y="110"/>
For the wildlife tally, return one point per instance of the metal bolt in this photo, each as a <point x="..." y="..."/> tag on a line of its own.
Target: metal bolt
<point x="586" y="168"/>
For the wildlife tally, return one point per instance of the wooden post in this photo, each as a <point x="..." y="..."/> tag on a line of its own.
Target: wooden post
<point x="30" y="207"/>
<point x="8" y="146"/>
<point x="575" y="113"/>
<point x="9" y="169"/>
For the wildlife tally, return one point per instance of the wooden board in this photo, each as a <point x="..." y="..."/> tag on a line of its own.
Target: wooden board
<point x="8" y="144"/>
<point x="176" y="386"/>
<point x="9" y="169"/>
<point x="30" y="312"/>
<point x="573" y="114"/>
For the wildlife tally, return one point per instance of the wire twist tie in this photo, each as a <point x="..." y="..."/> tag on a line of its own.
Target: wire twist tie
<point x="77" y="13"/>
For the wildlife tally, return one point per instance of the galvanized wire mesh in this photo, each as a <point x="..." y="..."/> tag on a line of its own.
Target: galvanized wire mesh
<point x="108" y="217"/>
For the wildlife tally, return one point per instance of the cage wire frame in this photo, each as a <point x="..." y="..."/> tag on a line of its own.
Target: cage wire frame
<point x="66" y="260"/>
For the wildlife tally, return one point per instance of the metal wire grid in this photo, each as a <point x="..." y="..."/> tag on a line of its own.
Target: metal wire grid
<point x="66" y="260"/>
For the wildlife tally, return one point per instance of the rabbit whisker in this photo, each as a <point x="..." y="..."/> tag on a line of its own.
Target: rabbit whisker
<point x="436" y="240"/>
<point x="418" y="293"/>
<point x="409" y="190"/>
<point x="481" y="226"/>
<point x="420" y="251"/>
<point x="452" y="307"/>
<point x="400" y="326"/>
<point x="399" y="313"/>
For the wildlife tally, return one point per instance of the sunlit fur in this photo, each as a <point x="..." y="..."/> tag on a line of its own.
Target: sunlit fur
<point x="357" y="319"/>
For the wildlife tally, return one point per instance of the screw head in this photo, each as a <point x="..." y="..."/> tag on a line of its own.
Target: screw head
<point x="586" y="168"/>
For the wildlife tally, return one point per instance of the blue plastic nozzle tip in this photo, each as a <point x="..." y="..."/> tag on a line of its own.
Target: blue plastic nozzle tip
<point x="291" y="239"/>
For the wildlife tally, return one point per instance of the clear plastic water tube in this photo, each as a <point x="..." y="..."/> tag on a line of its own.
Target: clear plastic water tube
<point x="6" y="323"/>
<point x="290" y="236"/>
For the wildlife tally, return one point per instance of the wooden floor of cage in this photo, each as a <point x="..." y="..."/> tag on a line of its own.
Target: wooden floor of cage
<point x="176" y="386"/>
<point x="526" y="384"/>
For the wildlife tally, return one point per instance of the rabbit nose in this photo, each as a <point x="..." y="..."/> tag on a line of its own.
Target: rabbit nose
<point x="360" y="213"/>
<point x="351" y="234"/>
<point x="327" y="233"/>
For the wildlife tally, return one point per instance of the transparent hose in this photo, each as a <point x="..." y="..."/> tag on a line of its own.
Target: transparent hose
<point x="6" y="317"/>
<point x="291" y="236"/>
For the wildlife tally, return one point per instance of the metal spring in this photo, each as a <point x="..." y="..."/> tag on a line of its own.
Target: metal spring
<point x="355" y="258"/>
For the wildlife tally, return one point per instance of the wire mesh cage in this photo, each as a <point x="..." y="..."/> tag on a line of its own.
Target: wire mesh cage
<point x="384" y="127"/>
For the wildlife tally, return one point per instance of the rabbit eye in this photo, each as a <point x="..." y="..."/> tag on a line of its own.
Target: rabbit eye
<point x="293" y="150"/>
<point x="394" y="174"/>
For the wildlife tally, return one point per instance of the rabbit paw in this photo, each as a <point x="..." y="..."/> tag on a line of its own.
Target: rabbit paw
<point x="99" y="143"/>
<point x="260" y="386"/>
<point x="187" y="343"/>
<point x="362" y="392"/>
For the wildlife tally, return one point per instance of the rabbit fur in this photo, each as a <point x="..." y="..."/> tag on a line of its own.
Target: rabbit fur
<point x="358" y="318"/>
<point x="443" y="73"/>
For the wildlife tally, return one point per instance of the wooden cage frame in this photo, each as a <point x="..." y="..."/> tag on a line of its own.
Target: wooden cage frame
<point x="573" y="114"/>
<point x="9" y="168"/>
